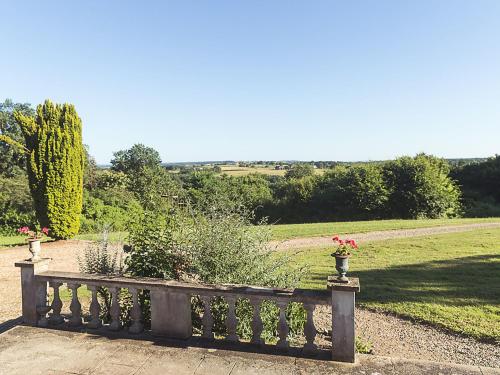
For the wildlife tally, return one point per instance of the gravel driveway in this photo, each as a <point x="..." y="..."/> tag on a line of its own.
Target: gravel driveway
<point x="390" y="336"/>
<point x="296" y="243"/>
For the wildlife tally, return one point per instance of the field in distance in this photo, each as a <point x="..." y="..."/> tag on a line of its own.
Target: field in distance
<point x="235" y="170"/>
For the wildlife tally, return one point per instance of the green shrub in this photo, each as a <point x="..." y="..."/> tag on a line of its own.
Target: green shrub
<point x="363" y="346"/>
<point x="99" y="258"/>
<point x="216" y="245"/>
<point x="113" y="207"/>
<point x="152" y="247"/>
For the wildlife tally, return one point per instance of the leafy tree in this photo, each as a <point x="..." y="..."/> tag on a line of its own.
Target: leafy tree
<point x="420" y="187"/>
<point x="153" y="185"/>
<point x="204" y="187"/>
<point x="480" y="184"/>
<point x="12" y="158"/>
<point x="291" y="199"/>
<point x="135" y="159"/>
<point x="55" y="163"/>
<point x="16" y="204"/>
<point x="300" y="170"/>
<point x="113" y="207"/>
<point x="352" y="192"/>
<point x="89" y="170"/>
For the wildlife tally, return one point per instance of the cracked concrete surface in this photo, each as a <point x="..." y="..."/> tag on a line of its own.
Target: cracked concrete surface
<point x="29" y="350"/>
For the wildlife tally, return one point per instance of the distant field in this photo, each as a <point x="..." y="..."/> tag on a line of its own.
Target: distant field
<point x="287" y="231"/>
<point x="233" y="170"/>
<point x="448" y="280"/>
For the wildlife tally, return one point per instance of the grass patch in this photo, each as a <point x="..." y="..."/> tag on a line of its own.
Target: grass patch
<point x="449" y="280"/>
<point x="8" y="241"/>
<point x="112" y="236"/>
<point x="287" y="231"/>
<point x="65" y="294"/>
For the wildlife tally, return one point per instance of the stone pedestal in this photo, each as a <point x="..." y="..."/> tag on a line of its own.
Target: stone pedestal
<point x="171" y="314"/>
<point x="343" y="332"/>
<point x="33" y="293"/>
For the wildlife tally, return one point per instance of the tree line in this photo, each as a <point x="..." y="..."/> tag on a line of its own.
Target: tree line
<point x="52" y="178"/>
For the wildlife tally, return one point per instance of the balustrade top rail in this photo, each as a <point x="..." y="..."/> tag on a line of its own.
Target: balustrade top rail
<point x="295" y="295"/>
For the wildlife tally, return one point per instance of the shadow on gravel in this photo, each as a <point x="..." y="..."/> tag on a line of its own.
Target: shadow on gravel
<point x="5" y="326"/>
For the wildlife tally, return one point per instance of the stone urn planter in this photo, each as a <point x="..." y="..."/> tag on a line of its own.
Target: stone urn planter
<point x="34" y="248"/>
<point x="342" y="255"/>
<point x="342" y="266"/>
<point x="34" y="237"/>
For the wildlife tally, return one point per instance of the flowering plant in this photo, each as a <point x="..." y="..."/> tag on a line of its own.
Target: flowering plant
<point x="343" y="246"/>
<point x="34" y="234"/>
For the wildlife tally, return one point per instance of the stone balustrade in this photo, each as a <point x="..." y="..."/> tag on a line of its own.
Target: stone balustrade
<point x="171" y="306"/>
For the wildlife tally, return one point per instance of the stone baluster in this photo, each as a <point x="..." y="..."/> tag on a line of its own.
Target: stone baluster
<point x="95" y="309"/>
<point x="136" y="313"/>
<point x="115" y="324"/>
<point x="282" y="326"/>
<point x="207" y="320"/>
<point x="56" y="317"/>
<point x="257" y="326"/>
<point x="231" y="320"/>
<point x="75" y="306"/>
<point x="310" y="329"/>
<point x="42" y="306"/>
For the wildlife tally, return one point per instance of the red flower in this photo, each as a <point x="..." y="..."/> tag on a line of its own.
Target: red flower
<point x="336" y="238"/>
<point x="45" y="231"/>
<point x="341" y="242"/>
<point x="24" y="230"/>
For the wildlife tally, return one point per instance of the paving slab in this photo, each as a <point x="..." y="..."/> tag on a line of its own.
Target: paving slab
<point x="30" y="350"/>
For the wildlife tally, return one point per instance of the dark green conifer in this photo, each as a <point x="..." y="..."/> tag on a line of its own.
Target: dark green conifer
<point x="55" y="163"/>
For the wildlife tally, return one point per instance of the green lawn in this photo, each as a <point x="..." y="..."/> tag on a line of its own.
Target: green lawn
<point x="8" y="241"/>
<point x="448" y="280"/>
<point x="287" y="231"/>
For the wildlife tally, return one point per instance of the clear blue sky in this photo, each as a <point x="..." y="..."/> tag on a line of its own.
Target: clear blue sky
<point x="260" y="80"/>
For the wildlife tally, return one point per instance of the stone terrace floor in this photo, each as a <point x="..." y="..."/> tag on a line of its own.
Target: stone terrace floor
<point x="28" y="350"/>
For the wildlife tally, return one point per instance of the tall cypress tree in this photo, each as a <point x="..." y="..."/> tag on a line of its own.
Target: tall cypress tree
<point x="55" y="164"/>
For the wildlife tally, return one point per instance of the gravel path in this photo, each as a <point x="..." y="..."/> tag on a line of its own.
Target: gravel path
<point x="389" y="335"/>
<point x="296" y="243"/>
<point x="63" y="254"/>
<point x="395" y="337"/>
